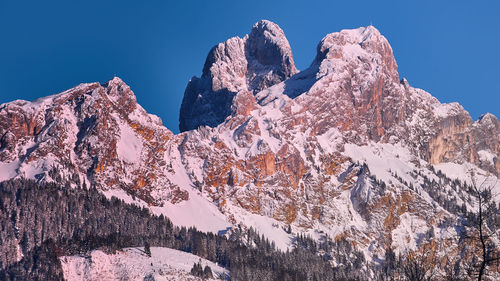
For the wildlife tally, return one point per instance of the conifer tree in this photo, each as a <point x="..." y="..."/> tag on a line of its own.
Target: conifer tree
<point x="147" y="249"/>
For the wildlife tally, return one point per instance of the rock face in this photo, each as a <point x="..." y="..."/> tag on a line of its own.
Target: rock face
<point x="344" y="147"/>
<point x="249" y="64"/>
<point x="93" y="134"/>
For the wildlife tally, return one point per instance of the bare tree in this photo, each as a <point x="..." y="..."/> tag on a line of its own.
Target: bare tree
<point x="483" y="234"/>
<point x="418" y="267"/>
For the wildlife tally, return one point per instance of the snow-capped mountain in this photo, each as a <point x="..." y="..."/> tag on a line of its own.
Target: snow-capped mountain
<point x="343" y="149"/>
<point x="97" y="134"/>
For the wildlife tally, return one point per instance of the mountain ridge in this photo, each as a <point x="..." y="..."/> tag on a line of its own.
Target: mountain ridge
<point x="343" y="148"/>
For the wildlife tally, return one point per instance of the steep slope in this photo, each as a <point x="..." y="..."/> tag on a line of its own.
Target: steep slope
<point x="293" y="142"/>
<point x="298" y="155"/>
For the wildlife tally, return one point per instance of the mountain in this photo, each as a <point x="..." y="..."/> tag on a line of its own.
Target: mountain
<point x="97" y="133"/>
<point x="344" y="149"/>
<point x="250" y="64"/>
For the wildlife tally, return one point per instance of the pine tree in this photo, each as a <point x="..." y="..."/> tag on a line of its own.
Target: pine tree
<point x="147" y="249"/>
<point x="197" y="269"/>
<point x="207" y="272"/>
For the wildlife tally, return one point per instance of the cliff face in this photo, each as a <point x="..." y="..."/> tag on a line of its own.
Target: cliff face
<point x="343" y="148"/>
<point x="239" y="65"/>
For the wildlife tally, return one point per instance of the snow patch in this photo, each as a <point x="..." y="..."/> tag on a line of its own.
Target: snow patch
<point x="197" y="211"/>
<point x="487" y="156"/>
<point x="134" y="264"/>
<point x="270" y="228"/>
<point x="462" y="172"/>
<point x="383" y="159"/>
<point x="8" y="170"/>
<point x="409" y="233"/>
<point x="129" y="145"/>
<point x="447" y="109"/>
<point x="329" y="140"/>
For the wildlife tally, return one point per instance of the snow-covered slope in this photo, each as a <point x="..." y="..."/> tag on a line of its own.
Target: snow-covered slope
<point x="134" y="264"/>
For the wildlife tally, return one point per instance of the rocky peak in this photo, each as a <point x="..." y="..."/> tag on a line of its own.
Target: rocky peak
<point x="252" y="63"/>
<point x="354" y="73"/>
<point x="268" y="34"/>
<point x="269" y="56"/>
<point x="93" y="133"/>
<point x="121" y="94"/>
<point x="489" y="120"/>
<point x="485" y="133"/>
<point x="359" y="46"/>
<point x="288" y="152"/>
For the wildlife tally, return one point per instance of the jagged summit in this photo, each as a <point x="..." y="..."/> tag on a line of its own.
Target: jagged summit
<point x="264" y="58"/>
<point x="488" y="117"/>
<point x="113" y="81"/>
<point x="269" y="48"/>
<point x="249" y="64"/>
<point x="84" y="88"/>
<point x="352" y="84"/>
<point x="263" y="26"/>
<point x="92" y="133"/>
<point x="357" y="36"/>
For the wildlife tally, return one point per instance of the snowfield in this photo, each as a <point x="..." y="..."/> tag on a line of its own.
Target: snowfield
<point x="134" y="264"/>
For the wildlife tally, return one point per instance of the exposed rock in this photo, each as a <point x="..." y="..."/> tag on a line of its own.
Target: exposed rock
<point x="252" y="63"/>
<point x="93" y="133"/>
<point x="290" y="146"/>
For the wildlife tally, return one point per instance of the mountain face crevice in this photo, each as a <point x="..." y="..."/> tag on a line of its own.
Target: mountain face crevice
<point x="344" y="147"/>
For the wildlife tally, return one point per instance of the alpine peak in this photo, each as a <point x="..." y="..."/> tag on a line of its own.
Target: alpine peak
<point x="362" y="45"/>
<point x="255" y="62"/>
<point x="268" y="45"/>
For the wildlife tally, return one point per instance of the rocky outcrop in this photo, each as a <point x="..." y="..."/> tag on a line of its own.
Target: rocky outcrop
<point x="485" y="134"/>
<point x="457" y="138"/>
<point x="249" y="64"/>
<point x="358" y="77"/>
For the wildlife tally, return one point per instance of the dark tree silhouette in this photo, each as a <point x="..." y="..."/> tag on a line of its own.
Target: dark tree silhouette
<point x="416" y="268"/>
<point x="483" y="227"/>
<point x="147" y="249"/>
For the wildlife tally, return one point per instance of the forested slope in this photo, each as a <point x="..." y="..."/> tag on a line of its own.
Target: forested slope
<point x="39" y="223"/>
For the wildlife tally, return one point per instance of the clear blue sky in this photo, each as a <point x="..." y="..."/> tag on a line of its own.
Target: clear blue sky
<point x="449" y="48"/>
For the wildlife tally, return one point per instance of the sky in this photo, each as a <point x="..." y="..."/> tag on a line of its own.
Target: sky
<point x="448" y="48"/>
